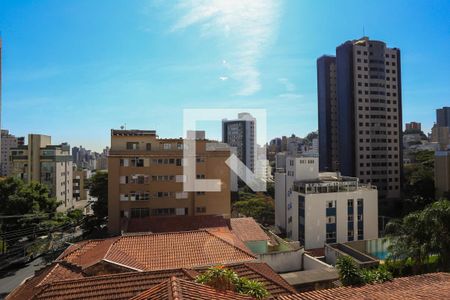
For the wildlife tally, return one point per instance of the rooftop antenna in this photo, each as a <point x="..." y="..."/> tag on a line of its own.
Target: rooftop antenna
<point x="364" y="32"/>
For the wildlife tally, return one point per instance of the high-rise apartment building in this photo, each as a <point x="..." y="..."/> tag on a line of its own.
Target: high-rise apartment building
<point x="45" y="163"/>
<point x="317" y="208"/>
<point x="327" y="100"/>
<point x="145" y="178"/>
<point x="9" y="141"/>
<point x="443" y="117"/>
<point x="241" y="134"/>
<point x="368" y="114"/>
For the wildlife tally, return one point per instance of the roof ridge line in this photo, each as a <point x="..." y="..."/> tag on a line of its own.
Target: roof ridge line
<point x="232" y="244"/>
<point x="110" y="246"/>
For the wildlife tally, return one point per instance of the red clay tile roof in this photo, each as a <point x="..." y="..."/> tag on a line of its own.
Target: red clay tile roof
<point x="87" y="253"/>
<point x="125" y="285"/>
<point x="427" y="286"/>
<point x="117" y="286"/>
<point x="52" y="273"/>
<point x="161" y="251"/>
<point x="247" y="229"/>
<point x="179" y="289"/>
<point x="174" y="223"/>
<point x="175" y="250"/>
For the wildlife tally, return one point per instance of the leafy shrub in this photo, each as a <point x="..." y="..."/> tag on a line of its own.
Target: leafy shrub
<point x="252" y="288"/>
<point x="349" y="274"/>
<point x="221" y="278"/>
<point x="379" y="275"/>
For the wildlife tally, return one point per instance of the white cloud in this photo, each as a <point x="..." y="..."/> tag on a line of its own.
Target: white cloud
<point x="223" y="78"/>
<point x="247" y="27"/>
<point x="289" y="86"/>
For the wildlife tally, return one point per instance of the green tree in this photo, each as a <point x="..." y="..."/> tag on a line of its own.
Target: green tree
<point x="257" y="206"/>
<point x="98" y="187"/>
<point x="419" y="235"/>
<point x="271" y="190"/>
<point x="419" y="182"/>
<point x="94" y="225"/>
<point x="19" y="198"/>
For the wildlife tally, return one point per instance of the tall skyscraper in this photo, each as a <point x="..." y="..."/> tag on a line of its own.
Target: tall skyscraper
<point x="241" y="134"/>
<point x="368" y="114"/>
<point x="327" y="100"/>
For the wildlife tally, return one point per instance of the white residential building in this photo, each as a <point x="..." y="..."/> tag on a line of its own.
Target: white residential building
<point x="317" y="208"/>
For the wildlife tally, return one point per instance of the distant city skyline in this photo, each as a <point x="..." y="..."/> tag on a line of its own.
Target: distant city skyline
<point x="76" y="69"/>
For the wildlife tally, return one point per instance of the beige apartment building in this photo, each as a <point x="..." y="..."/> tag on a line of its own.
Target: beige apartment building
<point x="8" y="141"/>
<point x="45" y="163"/>
<point x="145" y="178"/>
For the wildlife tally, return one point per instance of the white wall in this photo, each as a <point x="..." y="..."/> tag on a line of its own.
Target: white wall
<point x="283" y="261"/>
<point x="312" y="263"/>
<point x="315" y="216"/>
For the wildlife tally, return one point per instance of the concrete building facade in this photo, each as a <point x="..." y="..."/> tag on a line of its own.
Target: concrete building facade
<point x="9" y="141"/>
<point x="443" y="116"/>
<point x="145" y="178"/>
<point x="45" y="163"/>
<point x="241" y="134"/>
<point x="413" y="125"/>
<point x="317" y="208"/>
<point x="369" y="115"/>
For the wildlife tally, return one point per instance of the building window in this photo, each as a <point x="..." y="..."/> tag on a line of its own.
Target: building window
<point x="350" y="218"/>
<point x="132" y="146"/>
<point x="331" y="235"/>
<point x="350" y="203"/>
<point x="139" y="212"/>
<point x="148" y="147"/>
<point x="167" y="146"/>
<point x="331" y="204"/>
<point x="200" y="209"/>
<point x="331" y="220"/>
<point x="162" y="212"/>
<point x="360" y="202"/>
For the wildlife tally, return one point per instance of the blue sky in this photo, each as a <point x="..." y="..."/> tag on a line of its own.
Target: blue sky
<point x="75" y="69"/>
